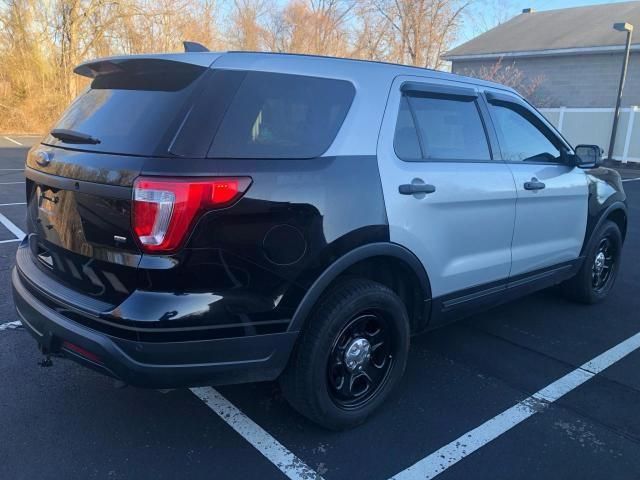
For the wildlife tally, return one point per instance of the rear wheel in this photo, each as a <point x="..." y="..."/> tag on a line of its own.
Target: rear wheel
<point x="350" y="356"/>
<point x="600" y="268"/>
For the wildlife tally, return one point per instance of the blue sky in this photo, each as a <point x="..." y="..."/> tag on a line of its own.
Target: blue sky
<point x="553" y="4"/>
<point x="491" y="9"/>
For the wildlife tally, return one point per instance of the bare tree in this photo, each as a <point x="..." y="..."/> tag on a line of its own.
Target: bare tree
<point x="511" y="76"/>
<point x="311" y="26"/>
<point x="483" y="15"/>
<point x="421" y="30"/>
<point x="246" y="31"/>
<point x="373" y="34"/>
<point x="41" y="41"/>
<point x="81" y="27"/>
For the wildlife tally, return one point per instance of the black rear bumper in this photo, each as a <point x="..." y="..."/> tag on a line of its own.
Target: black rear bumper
<point x="154" y="364"/>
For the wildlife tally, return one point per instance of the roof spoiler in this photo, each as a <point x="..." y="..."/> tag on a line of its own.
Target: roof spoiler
<point x="194" y="47"/>
<point x="97" y="68"/>
<point x="105" y="66"/>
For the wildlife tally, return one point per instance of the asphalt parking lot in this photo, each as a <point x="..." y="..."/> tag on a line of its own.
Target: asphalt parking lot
<point x="504" y="394"/>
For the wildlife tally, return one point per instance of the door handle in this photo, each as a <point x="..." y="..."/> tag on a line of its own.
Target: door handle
<point x="534" y="184"/>
<point x="413" y="188"/>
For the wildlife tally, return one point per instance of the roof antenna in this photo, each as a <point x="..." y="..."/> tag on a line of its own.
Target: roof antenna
<point x="194" y="47"/>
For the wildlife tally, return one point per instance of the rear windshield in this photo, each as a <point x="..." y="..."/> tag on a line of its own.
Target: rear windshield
<point x="135" y="110"/>
<point x="275" y="115"/>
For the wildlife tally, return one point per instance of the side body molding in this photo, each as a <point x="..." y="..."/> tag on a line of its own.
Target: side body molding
<point x="381" y="249"/>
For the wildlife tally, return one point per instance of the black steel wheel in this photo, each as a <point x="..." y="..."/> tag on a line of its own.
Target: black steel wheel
<point x="598" y="273"/>
<point x="360" y="360"/>
<point x="604" y="263"/>
<point x="350" y="356"/>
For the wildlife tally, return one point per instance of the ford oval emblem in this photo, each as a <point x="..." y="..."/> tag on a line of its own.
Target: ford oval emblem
<point x="43" y="158"/>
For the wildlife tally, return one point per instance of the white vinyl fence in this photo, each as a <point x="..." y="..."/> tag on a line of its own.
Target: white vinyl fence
<point x="593" y="126"/>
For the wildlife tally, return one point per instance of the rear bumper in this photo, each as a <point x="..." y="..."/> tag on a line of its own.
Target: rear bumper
<point x="154" y="364"/>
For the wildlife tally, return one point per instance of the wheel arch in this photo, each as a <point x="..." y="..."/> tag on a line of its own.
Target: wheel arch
<point x="399" y="258"/>
<point x="616" y="212"/>
<point x="619" y="217"/>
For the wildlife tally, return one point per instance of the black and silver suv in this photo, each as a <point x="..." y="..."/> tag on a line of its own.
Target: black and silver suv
<point x="207" y="218"/>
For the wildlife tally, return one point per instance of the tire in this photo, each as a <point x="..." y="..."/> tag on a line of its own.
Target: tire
<point x="326" y="378"/>
<point x="584" y="288"/>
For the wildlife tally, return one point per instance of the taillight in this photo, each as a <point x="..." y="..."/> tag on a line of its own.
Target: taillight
<point x="165" y="210"/>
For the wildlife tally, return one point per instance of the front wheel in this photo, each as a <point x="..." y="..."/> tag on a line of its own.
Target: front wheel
<point x="350" y="356"/>
<point x="600" y="268"/>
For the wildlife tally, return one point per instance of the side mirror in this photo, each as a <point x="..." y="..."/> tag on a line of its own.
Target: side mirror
<point x="588" y="156"/>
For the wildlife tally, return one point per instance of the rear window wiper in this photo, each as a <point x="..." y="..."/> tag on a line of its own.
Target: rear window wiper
<point x="71" y="136"/>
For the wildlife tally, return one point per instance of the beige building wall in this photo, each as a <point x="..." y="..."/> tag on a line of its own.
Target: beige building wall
<point x="572" y="80"/>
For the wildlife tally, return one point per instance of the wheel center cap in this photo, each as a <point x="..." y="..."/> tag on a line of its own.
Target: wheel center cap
<point x="599" y="262"/>
<point x="358" y="351"/>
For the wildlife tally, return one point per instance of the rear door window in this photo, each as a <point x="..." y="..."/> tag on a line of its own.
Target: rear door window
<point x="275" y="115"/>
<point x="445" y="129"/>
<point x="405" y="141"/>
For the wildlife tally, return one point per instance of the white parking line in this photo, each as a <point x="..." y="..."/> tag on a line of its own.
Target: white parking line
<point x="268" y="446"/>
<point x="449" y="455"/>
<point x="631" y="179"/>
<point x="10" y="183"/>
<point x="13" y="240"/>
<point x="12" y="227"/>
<point x="12" y="140"/>
<point x="9" y="204"/>
<point x="10" y="325"/>
<point x="11" y="169"/>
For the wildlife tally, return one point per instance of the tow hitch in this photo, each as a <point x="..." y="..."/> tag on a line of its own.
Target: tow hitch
<point x="46" y="362"/>
<point x="45" y="349"/>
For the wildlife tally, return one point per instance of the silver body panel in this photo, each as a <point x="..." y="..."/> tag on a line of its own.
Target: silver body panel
<point x="551" y="223"/>
<point x="462" y="232"/>
<point x="480" y="225"/>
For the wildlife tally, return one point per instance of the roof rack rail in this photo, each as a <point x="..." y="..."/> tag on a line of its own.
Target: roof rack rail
<point x="194" y="47"/>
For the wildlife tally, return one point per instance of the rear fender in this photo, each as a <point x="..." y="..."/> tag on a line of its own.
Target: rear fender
<point x="338" y="267"/>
